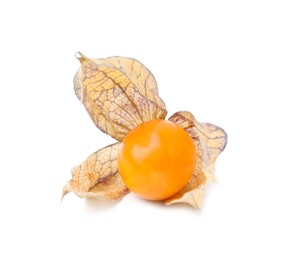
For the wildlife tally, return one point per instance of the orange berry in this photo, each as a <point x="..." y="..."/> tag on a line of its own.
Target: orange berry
<point x="156" y="159"/>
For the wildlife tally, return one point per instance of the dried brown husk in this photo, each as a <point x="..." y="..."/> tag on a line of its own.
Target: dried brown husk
<point x="98" y="176"/>
<point x="119" y="94"/>
<point x="210" y="141"/>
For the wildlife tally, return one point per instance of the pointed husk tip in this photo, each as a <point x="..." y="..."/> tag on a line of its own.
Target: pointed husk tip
<point x="80" y="56"/>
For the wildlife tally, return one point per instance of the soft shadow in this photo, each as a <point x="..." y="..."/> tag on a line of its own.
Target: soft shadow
<point x="95" y="205"/>
<point x="176" y="206"/>
<point x="185" y="207"/>
<point x="153" y="203"/>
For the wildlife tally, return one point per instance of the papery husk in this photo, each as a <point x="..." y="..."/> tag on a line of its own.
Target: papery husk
<point x="98" y="176"/>
<point x="210" y="141"/>
<point x="118" y="93"/>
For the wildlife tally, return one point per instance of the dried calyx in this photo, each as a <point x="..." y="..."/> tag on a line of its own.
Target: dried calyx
<point x="119" y="94"/>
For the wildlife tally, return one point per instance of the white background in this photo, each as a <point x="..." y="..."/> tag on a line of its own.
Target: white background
<point x="229" y="62"/>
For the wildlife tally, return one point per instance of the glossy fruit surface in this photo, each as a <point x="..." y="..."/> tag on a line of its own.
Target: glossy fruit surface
<point x="156" y="159"/>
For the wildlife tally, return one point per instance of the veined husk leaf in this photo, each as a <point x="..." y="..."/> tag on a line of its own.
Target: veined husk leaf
<point x="210" y="141"/>
<point x="118" y="93"/>
<point x="98" y="176"/>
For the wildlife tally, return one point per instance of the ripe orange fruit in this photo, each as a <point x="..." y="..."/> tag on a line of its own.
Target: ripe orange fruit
<point x="156" y="159"/>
